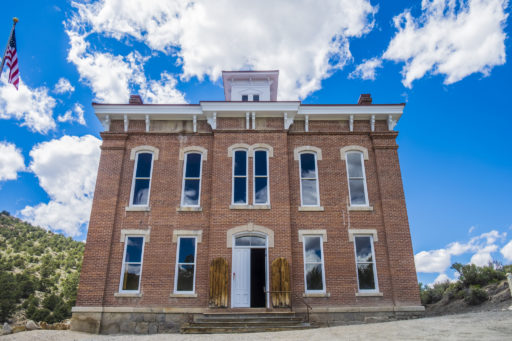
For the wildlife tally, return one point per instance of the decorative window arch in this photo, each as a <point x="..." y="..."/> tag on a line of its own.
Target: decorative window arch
<point x="237" y="146"/>
<point x="248" y="228"/>
<point x="344" y="150"/>
<point x="149" y="149"/>
<point x="198" y="149"/>
<point x="259" y="146"/>
<point x="298" y="150"/>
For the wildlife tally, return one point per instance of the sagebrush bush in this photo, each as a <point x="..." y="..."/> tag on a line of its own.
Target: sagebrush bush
<point x="474" y="295"/>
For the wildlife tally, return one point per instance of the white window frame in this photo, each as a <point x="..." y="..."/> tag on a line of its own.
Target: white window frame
<point x="123" y="266"/>
<point x="185" y="161"/>
<point x="256" y="95"/>
<point x="260" y="176"/>
<point x="132" y="192"/>
<point x="363" y="178"/>
<point x="301" y="178"/>
<point x="323" y="264"/>
<point x="177" y="266"/>
<point x="374" y="265"/>
<point x="239" y="176"/>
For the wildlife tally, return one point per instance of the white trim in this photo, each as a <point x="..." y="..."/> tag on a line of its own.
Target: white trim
<point x="364" y="232"/>
<point x="369" y="294"/>
<point x="137" y="208"/>
<point x="260" y="146"/>
<point x="360" y="208"/>
<point x="135" y="233"/>
<point x="367" y="201"/>
<point x="311" y="208"/>
<point x="149" y="149"/>
<point x="344" y="150"/>
<point x="177" y="264"/>
<point x="249" y="228"/>
<point x="238" y="146"/>
<point x="197" y="149"/>
<point x="323" y="291"/>
<point x="298" y="150"/>
<point x="198" y="234"/>
<point x="123" y="265"/>
<point x="267" y="202"/>
<point x="316" y="179"/>
<point x="191" y="151"/>
<point x="131" y="205"/>
<point x="303" y="233"/>
<point x="374" y="266"/>
<point x="233" y="152"/>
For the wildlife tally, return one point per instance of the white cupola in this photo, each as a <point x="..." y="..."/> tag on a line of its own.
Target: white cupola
<point x="250" y="86"/>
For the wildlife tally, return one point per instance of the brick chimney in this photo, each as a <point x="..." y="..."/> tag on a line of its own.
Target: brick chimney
<point x="135" y="99"/>
<point x="365" y="99"/>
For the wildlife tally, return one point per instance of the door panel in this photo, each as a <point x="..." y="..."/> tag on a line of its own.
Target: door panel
<point x="241" y="278"/>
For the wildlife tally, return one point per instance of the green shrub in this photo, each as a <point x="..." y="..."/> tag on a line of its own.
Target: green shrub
<point x="471" y="274"/>
<point x="474" y="295"/>
<point x="434" y="293"/>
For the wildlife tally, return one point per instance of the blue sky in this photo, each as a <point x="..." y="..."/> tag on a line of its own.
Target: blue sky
<point x="448" y="60"/>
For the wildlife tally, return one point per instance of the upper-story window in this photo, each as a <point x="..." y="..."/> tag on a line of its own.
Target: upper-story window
<point x="260" y="166"/>
<point x="191" y="192"/>
<point x="245" y="98"/>
<point x="256" y="98"/>
<point x="132" y="264"/>
<point x="240" y="177"/>
<point x="141" y="179"/>
<point x="309" y="193"/>
<point x="356" y="179"/>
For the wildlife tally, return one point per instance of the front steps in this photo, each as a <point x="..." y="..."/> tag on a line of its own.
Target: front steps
<point x="243" y="322"/>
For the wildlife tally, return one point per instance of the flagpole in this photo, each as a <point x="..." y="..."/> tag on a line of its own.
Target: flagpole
<point x="14" y="22"/>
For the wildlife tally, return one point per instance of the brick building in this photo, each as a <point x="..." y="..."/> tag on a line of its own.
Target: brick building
<point x="247" y="204"/>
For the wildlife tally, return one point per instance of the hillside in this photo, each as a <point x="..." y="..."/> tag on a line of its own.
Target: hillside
<point x="39" y="272"/>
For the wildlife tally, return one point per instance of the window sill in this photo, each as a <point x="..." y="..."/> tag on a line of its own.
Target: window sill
<point x="127" y="294"/>
<point x="188" y="209"/>
<point x="360" y="208"/>
<point x="249" y="207"/>
<point x="311" y="208"/>
<point x="369" y="294"/>
<point x="137" y="208"/>
<point x="320" y="294"/>
<point x="183" y="295"/>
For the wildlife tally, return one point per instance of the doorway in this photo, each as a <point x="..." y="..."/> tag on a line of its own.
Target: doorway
<point x="249" y="272"/>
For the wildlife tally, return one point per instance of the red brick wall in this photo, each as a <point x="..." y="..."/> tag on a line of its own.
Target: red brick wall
<point x="103" y="255"/>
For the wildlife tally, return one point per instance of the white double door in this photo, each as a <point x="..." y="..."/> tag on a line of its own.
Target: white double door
<point x="241" y="278"/>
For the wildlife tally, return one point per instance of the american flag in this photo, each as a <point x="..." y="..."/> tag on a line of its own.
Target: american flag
<point x="11" y="59"/>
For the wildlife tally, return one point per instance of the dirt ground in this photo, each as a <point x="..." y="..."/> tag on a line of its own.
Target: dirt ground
<point x="490" y="325"/>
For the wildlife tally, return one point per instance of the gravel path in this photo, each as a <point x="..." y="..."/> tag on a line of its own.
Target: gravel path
<point x="490" y="325"/>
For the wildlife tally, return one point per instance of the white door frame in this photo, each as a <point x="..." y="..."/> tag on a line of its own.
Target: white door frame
<point x="257" y="234"/>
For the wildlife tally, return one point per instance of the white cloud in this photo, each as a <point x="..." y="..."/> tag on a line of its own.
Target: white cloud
<point x="506" y="251"/>
<point x="453" y="38"/>
<point x="66" y="169"/>
<point x="442" y="278"/>
<point x="11" y="161"/>
<point x="441" y="259"/>
<point x="75" y="115"/>
<point x="305" y="40"/>
<point x="471" y="229"/>
<point x="63" y="86"/>
<point x="366" y="70"/>
<point x="33" y="107"/>
<point x="163" y="91"/>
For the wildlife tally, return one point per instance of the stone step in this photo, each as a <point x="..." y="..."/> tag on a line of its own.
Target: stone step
<point x="239" y="329"/>
<point x="255" y="322"/>
<point x="231" y="316"/>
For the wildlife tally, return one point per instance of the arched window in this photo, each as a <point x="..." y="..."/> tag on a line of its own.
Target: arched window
<point x="191" y="188"/>
<point x="309" y="193"/>
<point x="141" y="183"/>
<point x="356" y="178"/>
<point x="260" y="179"/>
<point x="240" y="183"/>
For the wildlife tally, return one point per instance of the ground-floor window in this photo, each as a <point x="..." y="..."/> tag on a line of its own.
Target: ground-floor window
<point x="365" y="263"/>
<point x="184" y="279"/>
<point x="132" y="264"/>
<point x="314" y="264"/>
